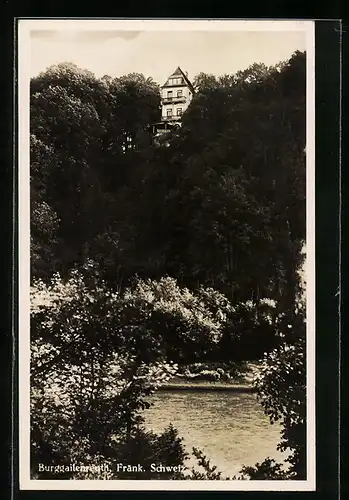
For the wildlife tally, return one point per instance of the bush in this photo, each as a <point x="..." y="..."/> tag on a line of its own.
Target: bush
<point x="213" y="371"/>
<point x="93" y="366"/>
<point x="209" y="375"/>
<point x="281" y="389"/>
<point x="267" y="470"/>
<point x="249" y="331"/>
<point x="95" y="358"/>
<point x="190" y="326"/>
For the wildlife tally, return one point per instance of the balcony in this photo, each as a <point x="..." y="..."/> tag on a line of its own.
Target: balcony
<point x="174" y="100"/>
<point x="173" y="118"/>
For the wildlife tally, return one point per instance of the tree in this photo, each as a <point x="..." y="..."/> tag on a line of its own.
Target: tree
<point x="96" y="357"/>
<point x="87" y="125"/>
<point x="251" y="331"/>
<point x="214" y="208"/>
<point x="66" y="107"/>
<point x="189" y="325"/>
<point x="281" y="389"/>
<point x="138" y="101"/>
<point x="243" y="140"/>
<point x="44" y="220"/>
<point x="203" y="81"/>
<point x="90" y="376"/>
<point x="221" y="210"/>
<point x="138" y="209"/>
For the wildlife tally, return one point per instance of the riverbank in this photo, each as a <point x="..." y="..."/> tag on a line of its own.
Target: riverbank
<point x="182" y="385"/>
<point x="204" y="377"/>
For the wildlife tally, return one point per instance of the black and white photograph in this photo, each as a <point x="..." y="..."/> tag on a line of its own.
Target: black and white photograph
<point x="166" y="273"/>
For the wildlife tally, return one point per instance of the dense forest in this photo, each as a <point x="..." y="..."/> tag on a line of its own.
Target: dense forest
<point x="161" y="255"/>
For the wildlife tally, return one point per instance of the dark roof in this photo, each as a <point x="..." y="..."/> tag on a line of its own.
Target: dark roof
<point x="179" y="72"/>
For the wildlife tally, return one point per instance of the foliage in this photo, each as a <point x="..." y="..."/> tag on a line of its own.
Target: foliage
<point x="203" y="325"/>
<point x="84" y="127"/>
<point x="221" y="210"/>
<point x="215" y="208"/>
<point x="89" y="377"/>
<point x="267" y="470"/>
<point x="44" y="221"/>
<point x="209" y="472"/>
<point x="147" y="448"/>
<point x="250" y="332"/>
<point x="96" y="356"/>
<point x="281" y="389"/>
<point x="189" y="327"/>
<point x="227" y="372"/>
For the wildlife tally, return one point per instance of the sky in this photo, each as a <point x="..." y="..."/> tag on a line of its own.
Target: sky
<point x="116" y="52"/>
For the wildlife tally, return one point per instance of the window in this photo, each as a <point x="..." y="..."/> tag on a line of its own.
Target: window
<point x="169" y="112"/>
<point x="179" y="111"/>
<point x="169" y="94"/>
<point x="176" y="81"/>
<point x="179" y="93"/>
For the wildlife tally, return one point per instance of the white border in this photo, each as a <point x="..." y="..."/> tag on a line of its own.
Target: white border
<point x="24" y="28"/>
<point x="310" y="259"/>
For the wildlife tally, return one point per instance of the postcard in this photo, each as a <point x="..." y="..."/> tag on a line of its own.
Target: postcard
<point x="166" y="255"/>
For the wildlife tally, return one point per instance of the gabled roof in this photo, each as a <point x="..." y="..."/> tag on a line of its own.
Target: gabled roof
<point x="179" y="72"/>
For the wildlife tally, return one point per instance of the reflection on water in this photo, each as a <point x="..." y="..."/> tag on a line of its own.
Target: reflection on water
<point x="229" y="427"/>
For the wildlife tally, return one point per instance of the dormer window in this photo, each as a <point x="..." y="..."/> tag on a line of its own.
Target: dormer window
<point x="176" y="81"/>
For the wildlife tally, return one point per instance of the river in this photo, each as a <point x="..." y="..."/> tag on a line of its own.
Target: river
<point x="230" y="427"/>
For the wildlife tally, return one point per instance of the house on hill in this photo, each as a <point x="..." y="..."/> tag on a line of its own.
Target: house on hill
<point x="176" y="96"/>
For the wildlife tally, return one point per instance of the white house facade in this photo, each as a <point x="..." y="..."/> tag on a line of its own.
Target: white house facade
<point x="176" y="95"/>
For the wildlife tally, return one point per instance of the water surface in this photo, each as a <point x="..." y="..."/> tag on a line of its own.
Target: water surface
<point x="230" y="427"/>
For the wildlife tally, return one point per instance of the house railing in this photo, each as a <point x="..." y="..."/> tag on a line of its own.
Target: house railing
<point x="171" y="118"/>
<point x="168" y="100"/>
